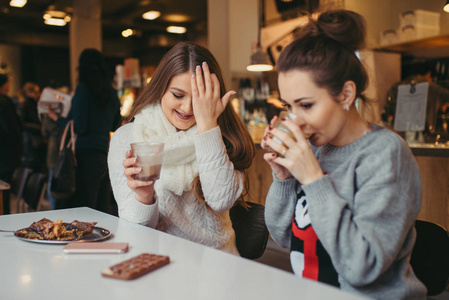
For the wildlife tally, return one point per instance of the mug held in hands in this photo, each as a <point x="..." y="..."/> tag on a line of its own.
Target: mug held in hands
<point x="149" y="158"/>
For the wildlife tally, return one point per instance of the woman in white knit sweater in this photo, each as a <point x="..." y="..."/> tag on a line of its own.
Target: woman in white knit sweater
<point x="207" y="150"/>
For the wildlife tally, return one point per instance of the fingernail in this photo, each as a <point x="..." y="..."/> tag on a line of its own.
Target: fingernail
<point x="138" y="169"/>
<point x="269" y="127"/>
<point x="135" y="159"/>
<point x="274" y="155"/>
<point x="128" y="152"/>
<point x="193" y="76"/>
<point x="233" y="93"/>
<point x="198" y="67"/>
<point x="204" y="64"/>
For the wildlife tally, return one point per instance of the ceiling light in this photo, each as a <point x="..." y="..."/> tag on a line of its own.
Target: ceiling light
<point x="55" y="22"/>
<point x="128" y="32"/>
<point x="176" y="29"/>
<point x="151" y="15"/>
<point x="18" y="3"/>
<point x="56" y="18"/>
<point x="446" y="7"/>
<point x="259" y="62"/>
<point x="177" y="18"/>
<point x="55" y="14"/>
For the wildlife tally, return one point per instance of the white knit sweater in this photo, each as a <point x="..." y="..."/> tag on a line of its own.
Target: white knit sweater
<point x="205" y="222"/>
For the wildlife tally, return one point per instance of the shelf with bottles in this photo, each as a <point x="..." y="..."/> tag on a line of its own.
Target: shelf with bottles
<point x="257" y="102"/>
<point x="130" y="86"/>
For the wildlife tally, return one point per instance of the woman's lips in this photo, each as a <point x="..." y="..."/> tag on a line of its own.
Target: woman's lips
<point x="183" y="116"/>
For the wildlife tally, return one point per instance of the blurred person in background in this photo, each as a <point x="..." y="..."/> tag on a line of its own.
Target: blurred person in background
<point x="95" y="111"/>
<point x="10" y="138"/>
<point x="33" y="142"/>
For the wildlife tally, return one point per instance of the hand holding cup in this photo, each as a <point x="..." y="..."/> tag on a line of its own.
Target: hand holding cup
<point x="149" y="159"/>
<point x="141" y="177"/>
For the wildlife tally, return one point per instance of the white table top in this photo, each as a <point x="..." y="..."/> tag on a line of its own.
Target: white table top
<point x="41" y="271"/>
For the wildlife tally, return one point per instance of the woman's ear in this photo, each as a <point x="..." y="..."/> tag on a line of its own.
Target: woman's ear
<point x="348" y="93"/>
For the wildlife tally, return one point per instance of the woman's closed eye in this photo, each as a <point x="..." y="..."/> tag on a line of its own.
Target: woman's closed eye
<point x="178" y="96"/>
<point x="306" y="105"/>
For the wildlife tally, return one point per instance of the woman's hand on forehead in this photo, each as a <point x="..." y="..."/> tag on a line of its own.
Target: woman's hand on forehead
<point x="206" y="101"/>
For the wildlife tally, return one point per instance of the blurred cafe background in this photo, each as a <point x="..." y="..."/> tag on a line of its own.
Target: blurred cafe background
<point x="40" y="42"/>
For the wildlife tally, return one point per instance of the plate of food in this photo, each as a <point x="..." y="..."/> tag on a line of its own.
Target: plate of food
<point x="46" y="231"/>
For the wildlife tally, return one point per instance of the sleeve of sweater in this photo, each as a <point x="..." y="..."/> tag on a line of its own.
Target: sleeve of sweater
<point x="279" y="209"/>
<point x="129" y="208"/>
<point x="367" y="233"/>
<point x="221" y="184"/>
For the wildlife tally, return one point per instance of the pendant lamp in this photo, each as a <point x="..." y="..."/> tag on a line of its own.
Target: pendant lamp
<point x="446" y="6"/>
<point x="259" y="60"/>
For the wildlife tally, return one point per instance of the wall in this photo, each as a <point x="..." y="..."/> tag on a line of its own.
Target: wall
<point x="244" y="21"/>
<point x="232" y="29"/>
<point x="384" y="70"/>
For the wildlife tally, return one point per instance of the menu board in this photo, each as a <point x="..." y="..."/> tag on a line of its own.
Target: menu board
<point x="411" y="107"/>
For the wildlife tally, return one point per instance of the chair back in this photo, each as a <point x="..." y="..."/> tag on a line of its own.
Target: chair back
<point x="430" y="256"/>
<point x="251" y="233"/>
<point x="18" y="183"/>
<point x="34" y="190"/>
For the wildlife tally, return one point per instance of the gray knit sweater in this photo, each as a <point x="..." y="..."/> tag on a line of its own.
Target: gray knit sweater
<point x="363" y="212"/>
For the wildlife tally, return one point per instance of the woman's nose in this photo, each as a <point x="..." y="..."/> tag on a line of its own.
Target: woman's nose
<point x="187" y="105"/>
<point x="296" y="118"/>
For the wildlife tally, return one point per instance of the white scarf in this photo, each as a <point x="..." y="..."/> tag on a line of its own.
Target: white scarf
<point x="179" y="166"/>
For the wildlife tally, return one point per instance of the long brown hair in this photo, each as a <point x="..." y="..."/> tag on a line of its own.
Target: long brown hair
<point x="182" y="58"/>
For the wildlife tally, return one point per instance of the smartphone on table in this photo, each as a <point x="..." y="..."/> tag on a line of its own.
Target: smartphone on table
<point x="95" y="247"/>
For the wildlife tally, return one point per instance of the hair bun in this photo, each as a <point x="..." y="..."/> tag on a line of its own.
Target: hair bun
<point x="344" y="26"/>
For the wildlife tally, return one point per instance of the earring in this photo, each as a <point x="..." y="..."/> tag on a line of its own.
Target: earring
<point x="346" y="107"/>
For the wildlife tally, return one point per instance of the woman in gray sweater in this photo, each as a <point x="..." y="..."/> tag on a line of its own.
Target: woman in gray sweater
<point x="345" y="192"/>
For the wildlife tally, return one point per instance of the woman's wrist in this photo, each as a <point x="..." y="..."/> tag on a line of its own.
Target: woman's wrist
<point x="145" y="200"/>
<point x="206" y="126"/>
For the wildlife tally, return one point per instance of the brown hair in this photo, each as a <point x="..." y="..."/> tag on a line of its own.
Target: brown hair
<point x="182" y="58"/>
<point x="326" y="48"/>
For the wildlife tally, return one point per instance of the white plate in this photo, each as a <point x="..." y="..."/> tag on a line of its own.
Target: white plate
<point x="97" y="234"/>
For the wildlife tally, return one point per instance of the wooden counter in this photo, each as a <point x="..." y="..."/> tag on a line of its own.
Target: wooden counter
<point x="435" y="184"/>
<point x="433" y="165"/>
<point x="3" y="186"/>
